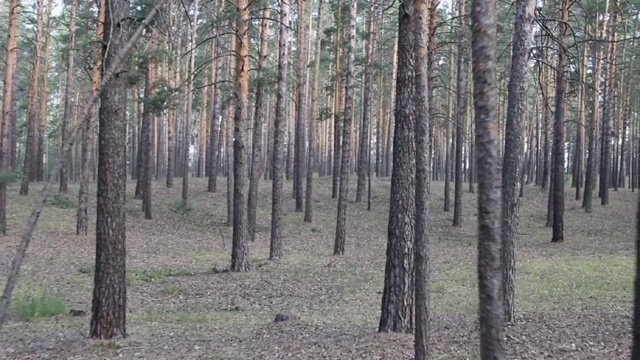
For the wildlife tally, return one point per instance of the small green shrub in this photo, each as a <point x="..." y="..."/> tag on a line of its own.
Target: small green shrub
<point x="62" y="202"/>
<point x="87" y="268"/>
<point x="181" y="207"/>
<point x="315" y="230"/>
<point x="39" y="303"/>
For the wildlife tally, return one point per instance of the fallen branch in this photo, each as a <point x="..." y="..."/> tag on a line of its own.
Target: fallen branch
<point x="27" y="233"/>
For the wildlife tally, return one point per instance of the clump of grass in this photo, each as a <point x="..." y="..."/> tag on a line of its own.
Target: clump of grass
<point x="181" y="207"/>
<point x="39" y="303"/>
<point x="153" y="275"/>
<point x="174" y="290"/>
<point x="315" y="230"/>
<point x="88" y="268"/>
<point x="62" y="202"/>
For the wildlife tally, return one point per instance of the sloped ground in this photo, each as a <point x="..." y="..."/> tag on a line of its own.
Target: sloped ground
<point x="574" y="298"/>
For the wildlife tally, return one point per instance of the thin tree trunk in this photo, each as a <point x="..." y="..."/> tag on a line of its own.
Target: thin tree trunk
<point x="341" y="221"/>
<point x="308" y="209"/>
<point x="258" y="122"/>
<point x="277" y="207"/>
<point x="8" y="120"/>
<point x="558" y="131"/>
<point x="30" y="167"/>
<point x="460" y="120"/>
<point x="513" y="150"/>
<point x="82" y="217"/>
<point x="68" y="100"/>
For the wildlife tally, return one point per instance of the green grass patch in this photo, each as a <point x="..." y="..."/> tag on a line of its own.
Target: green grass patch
<point x="88" y="268"/>
<point x="181" y="207"/>
<point x="542" y="284"/>
<point x="38" y="303"/>
<point x="174" y="290"/>
<point x="62" y="202"/>
<point x="136" y="277"/>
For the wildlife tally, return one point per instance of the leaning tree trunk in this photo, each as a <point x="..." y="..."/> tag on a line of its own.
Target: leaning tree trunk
<point x="397" y="296"/>
<point x="108" y="311"/>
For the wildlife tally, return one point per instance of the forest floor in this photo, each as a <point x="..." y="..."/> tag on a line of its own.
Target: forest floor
<point x="574" y="299"/>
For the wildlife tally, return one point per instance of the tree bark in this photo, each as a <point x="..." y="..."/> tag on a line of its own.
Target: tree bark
<point x="82" y="217"/>
<point x="258" y="123"/>
<point x="558" y="131"/>
<point x="8" y="119"/>
<point x="280" y="122"/>
<point x="513" y="149"/>
<point x="420" y="26"/>
<point x="460" y="119"/>
<point x="31" y="149"/>
<point x="308" y="209"/>
<point x="483" y="50"/>
<point x="397" y="296"/>
<point x="108" y="311"/>
<point x="301" y="107"/>
<point x="343" y="196"/>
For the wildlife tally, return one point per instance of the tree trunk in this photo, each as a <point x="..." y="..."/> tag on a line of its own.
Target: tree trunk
<point x="590" y="175"/>
<point x="461" y="89"/>
<point x="341" y="221"/>
<point x="240" y="247"/>
<point x="82" y="217"/>
<point x="315" y="117"/>
<point x="338" y="102"/>
<point x="609" y="105"/>
<point x="483" y="19"/>
<point x="558" y="131"/>
<point x="397" y="297"/>
<point x="68" y="100"/>
<point x="423" y="38"/>
<point x="214" y="132"/>
<point x="365" y="141"/>
<point x="277" y="207"/>
<point x="8" y="120"/>
<point x="146" y="175"/>
<point x="258" y="123"/>
<point x="44" y="101"/>
<point x="513" y="149"/>
<point x="301" y="107"/>
<point x="108" y="311"/>
<point x="30" y="166"/>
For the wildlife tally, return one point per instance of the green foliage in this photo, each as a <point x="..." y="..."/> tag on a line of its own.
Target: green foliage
<point x="88" y="268"/>
<point x="62" y="202"/>
<point x="38" y="303"/>
<point x="181" y="207"/>
<point x="154" y="275"/>
<point x="9" y="176"/>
